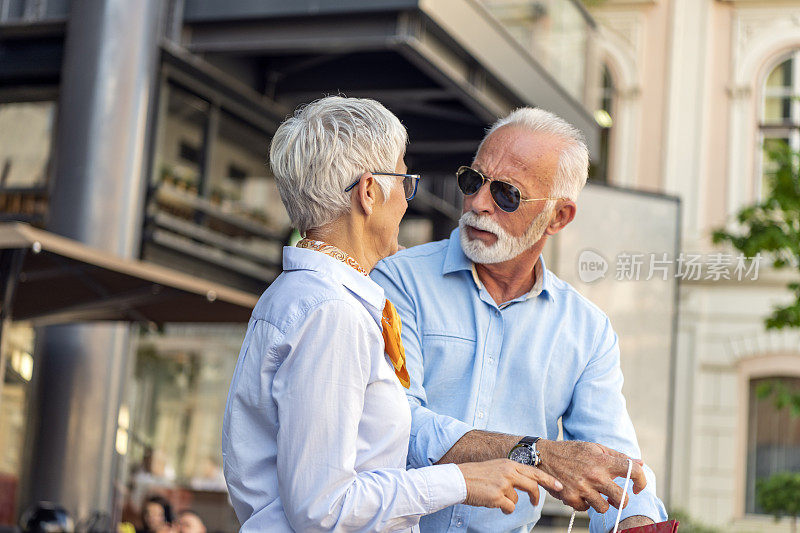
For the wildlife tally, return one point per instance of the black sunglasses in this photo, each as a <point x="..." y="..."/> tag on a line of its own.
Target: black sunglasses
<point x="506" y="196"/>
<point x="409" y="183"/>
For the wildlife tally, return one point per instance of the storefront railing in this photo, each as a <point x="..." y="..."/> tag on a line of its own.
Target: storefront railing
<point x="213" y="237"/>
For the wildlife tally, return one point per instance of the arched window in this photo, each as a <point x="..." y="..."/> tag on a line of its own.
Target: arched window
<point x="604" y="116"/>
<point x="773" y="436"/>
<point x="780" y="111"/>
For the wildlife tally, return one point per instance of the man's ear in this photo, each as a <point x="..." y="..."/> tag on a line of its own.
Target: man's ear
<point x="564" y="214"/>
<point x="367" y="193"/>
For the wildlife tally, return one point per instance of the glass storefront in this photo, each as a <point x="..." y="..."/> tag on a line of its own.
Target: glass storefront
<point x="26" y="142"/>
<point x="15" y="376"/>
<point x="169" y="434"/>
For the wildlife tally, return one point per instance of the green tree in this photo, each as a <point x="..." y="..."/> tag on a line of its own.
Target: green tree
<point x="779" y="495"/>
<point x="771" y="227"/>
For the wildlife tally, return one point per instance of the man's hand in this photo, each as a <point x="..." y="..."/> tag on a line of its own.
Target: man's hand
<point x="492" y="483"/>
<point x="633" y="521"/>
<point x="587" y="471"/>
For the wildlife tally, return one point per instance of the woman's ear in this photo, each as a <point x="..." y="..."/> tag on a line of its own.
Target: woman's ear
<point x="367" y="193"/>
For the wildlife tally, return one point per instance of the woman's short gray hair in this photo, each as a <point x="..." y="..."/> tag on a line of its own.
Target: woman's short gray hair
<point x="324" y="147"/>
<point x="573" y="162"/>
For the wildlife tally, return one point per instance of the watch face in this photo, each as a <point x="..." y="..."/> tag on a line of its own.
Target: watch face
<point x="521" y="454"/>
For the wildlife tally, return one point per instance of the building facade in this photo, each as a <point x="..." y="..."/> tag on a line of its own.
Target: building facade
<point x="141" y="129"/>
<point x="698" y="90"/>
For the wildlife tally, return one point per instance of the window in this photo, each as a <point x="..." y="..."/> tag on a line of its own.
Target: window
<point x="238" y="170"/>
<point x="179" y="156"/>
<point x="211" y="153"/>
<point x="26" y="139"/>
<point x="780" y="116"/>
<point x="773" y="440"/>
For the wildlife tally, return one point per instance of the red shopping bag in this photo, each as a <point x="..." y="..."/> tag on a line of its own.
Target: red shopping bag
<point x="661" y="527"/>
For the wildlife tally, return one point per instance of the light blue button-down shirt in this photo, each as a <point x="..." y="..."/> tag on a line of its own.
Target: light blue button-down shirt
<point x="316" y="426"/>
<point x="515" y="368"/>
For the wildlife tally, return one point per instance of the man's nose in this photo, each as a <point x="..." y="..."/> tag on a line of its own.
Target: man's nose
<point x="482" y="200"/>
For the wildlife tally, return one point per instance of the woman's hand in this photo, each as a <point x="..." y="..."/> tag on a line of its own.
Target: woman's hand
<point x="492" y="483"/>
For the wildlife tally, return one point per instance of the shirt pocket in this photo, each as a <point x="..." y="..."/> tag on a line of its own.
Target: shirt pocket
<point x="449" y="360"/>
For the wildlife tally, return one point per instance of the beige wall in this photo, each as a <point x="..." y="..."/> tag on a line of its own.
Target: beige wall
<point x="715" y="165"/>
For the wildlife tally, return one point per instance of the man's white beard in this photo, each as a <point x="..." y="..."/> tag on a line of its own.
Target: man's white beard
<point x="506" y="247"/>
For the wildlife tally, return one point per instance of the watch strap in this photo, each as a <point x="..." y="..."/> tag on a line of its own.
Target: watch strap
<point x="528" y="440"/>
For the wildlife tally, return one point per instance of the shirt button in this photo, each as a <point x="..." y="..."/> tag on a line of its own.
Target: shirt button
<point x="480" y="414"/>
<point x="459" y="522"/>
<point x="491" y="360"/>
<point x="496" y="312"/>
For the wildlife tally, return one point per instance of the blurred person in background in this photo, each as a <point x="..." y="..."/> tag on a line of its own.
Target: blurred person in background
<point x="189" y="522"/>
<point x="157" y="515"/>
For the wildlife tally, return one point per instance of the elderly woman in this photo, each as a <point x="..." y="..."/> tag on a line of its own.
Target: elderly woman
<point x="316" y="426"/>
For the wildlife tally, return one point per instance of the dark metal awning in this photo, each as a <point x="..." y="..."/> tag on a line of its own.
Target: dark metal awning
<point x="447" y="68"/>
<point x="48" y="279"/>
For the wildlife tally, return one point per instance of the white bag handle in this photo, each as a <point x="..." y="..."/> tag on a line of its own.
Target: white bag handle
<point x="619" y="511"/>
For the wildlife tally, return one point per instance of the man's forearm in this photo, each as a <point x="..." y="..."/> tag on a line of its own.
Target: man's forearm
<point x="478" y="445"/>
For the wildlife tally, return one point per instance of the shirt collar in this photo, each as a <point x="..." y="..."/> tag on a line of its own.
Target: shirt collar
<point x="335" y="270"/>
<point x="455" y="261"/>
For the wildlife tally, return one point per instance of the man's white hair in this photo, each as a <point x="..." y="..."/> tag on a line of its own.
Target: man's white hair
<point x="324" y="147"/>
<point x="573" y="162"/>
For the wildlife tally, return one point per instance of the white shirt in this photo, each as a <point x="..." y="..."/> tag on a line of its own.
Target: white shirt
<point x="316" y="426"/>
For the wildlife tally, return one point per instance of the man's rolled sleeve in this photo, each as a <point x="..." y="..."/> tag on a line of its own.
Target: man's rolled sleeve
<point x="432" y="434"/>
<point x="598" y="414"/>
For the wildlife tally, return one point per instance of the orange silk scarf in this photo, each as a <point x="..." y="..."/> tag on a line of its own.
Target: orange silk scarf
<point x="390" y="320"/>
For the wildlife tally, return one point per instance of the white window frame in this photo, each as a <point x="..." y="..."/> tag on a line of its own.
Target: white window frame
<point x="790" y="130"/>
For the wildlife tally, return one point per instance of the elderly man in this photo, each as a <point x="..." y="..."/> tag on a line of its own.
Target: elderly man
<point x="499" y="348"/>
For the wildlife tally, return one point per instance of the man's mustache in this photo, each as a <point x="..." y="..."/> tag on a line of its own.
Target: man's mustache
<point x="481" y="223"/>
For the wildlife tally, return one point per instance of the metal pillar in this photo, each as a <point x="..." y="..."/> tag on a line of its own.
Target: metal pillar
<point x="100" y="158"/>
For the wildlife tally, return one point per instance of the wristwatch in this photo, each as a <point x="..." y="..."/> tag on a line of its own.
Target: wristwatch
<point x="525" y="452"/>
